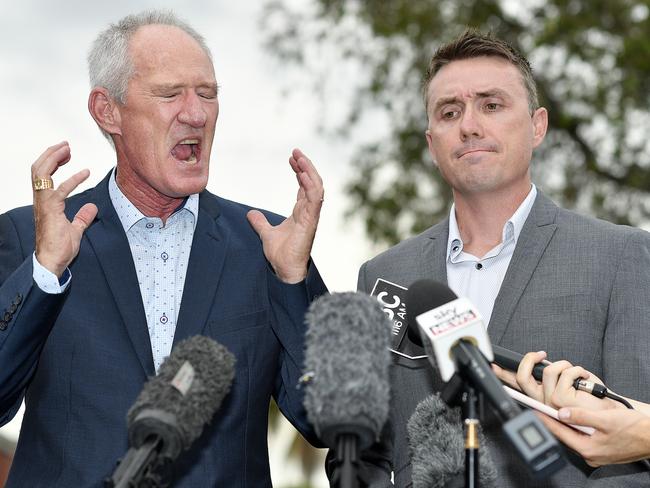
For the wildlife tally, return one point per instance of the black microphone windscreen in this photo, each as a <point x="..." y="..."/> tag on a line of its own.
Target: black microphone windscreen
<point x="437" y="446"/>
<point x="347" y="356"/>
<point x="190" y="385"/>
<point x="422" y="296"/>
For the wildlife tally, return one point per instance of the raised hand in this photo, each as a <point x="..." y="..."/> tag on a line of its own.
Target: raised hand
<point x="57" y="239"/>
<point x="287" y="246"/>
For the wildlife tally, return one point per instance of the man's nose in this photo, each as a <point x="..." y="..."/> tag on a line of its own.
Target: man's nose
<point x="470" y="124"/>
<point x="193" y="112"/>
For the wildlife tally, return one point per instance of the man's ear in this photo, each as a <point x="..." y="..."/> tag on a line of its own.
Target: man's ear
<point x="105" y="110"/>
<point x="428" y="136"/>
<point x="540" y="125"/>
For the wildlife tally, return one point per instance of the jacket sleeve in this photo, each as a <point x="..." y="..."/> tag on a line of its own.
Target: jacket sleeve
<point x="26" y="317"/>
<point x="289" y="304"/>
<point x="626" y="346"/>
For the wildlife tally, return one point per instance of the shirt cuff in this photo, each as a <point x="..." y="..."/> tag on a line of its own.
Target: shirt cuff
<point x="47" y="281"/>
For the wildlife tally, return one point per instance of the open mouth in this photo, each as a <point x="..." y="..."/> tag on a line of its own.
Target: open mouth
<point x="187" y="150"/>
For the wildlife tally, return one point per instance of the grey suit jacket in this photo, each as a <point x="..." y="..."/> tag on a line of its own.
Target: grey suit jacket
<point x="576" y="287"/>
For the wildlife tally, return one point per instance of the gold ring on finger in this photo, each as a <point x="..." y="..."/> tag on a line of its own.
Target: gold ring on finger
<point x="42" y="184"/>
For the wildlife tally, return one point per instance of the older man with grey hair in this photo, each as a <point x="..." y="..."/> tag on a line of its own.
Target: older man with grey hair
<point x="97" y="288"/>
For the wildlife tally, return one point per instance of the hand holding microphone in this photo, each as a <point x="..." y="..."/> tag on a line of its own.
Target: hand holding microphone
<point x="621" y="434"/>
<point x="456" y="340"/>
<point x="558" y="385"/>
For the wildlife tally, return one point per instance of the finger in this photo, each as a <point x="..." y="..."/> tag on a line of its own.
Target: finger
<point x="567" y="435"/>
<point x="567" y="379"/>
<point x="259" y="222"/>
<point x="303" y="162"/>
<point x="84" y="217"/>
<point x="302" y="165"/>
<point x="550" y="378"/>
<point x="582" y="416"/>
<point x="71" y="183"/>
<point x="524" y="375"/>
<point x="507" y="377"/>
<point x="48" y="162"/>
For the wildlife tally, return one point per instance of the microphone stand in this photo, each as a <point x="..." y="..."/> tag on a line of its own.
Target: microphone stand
<point x="347" y="457"/>
<point x="458" y="393"/>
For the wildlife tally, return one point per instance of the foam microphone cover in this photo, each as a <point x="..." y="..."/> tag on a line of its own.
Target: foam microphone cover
<point x="422" y="296"/>
<point x="437" y="446"/>
<point x="179" y="415"/>
<point x="347" y="356"/>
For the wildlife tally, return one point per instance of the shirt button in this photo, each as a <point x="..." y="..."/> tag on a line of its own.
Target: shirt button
<point x="149" y="225"/>
<point x="163" y="319"/>
<point x="455" y="248"/>
<point x="479" y="266"/>
<point x="164" y="256"/>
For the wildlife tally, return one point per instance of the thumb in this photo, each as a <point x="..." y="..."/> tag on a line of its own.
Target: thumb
<point x="258" y="221"/>
<point x="84" y="217"/>
<point x="580" y="416"/>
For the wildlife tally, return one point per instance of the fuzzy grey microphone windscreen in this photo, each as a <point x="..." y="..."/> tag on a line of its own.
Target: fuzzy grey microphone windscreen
<point x="188" y="389"/>
<point x="437" y="447"/>
<point x="347" y="356"/>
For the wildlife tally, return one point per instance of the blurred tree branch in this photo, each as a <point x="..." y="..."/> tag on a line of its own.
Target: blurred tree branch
<point x="591" y="60"/>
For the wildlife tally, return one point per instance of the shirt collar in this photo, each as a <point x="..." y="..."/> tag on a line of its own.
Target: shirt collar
<point x="129" y="214"/>
<point x="511" y="229"/>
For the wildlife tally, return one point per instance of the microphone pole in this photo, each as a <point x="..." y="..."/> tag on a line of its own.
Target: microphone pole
<point x="471" y="420"/>
<point x="349" y="459"/>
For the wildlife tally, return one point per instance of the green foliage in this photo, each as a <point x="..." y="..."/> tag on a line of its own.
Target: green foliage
<point x="591" y="60"/>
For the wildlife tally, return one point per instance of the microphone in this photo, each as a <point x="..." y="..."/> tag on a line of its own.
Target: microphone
<point x="454" y="330"/>
<point x="510" y="360"/>
<point x="347" y="384"/>
<point x="437" y="449"/>
<point x="172" y="408"/>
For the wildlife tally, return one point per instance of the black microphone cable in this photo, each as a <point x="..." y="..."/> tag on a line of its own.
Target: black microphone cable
<point x="601" y="391"/>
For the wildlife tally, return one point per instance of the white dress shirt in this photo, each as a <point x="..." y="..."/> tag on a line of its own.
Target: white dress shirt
<point x="480" y="280"/>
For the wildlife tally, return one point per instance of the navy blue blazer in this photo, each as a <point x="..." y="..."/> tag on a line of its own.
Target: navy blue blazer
<point x="81" y="358"/>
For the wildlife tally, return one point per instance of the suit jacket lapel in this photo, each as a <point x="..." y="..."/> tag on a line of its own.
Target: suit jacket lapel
<point x="433" y="261"/>
<point x="533" y="239"/>
<point x="208" y="254"/>
<point x="108" y="240"/>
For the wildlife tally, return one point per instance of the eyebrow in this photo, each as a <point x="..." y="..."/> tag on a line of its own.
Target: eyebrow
<point x="177" y="86"/>
<point x="493" y="92"/>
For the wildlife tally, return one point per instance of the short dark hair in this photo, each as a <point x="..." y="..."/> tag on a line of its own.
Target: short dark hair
<point x="474" y="44"/>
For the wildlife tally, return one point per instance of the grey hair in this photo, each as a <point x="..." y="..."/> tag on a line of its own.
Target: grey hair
<point x="109" y="62"/>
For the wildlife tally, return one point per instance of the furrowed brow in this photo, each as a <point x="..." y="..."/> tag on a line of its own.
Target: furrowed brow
<point x="445" y="101"/>
<point x="495" y="92"/>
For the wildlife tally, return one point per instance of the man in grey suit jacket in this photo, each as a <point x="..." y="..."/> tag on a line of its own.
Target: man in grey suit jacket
<point x="542" y="277"/>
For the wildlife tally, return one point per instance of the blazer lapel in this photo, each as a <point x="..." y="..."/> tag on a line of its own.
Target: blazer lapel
<point x="433" y="261"/>
<point x="533" y="239"/>
<point x="108" y="240"/>
<point x="208" y="254"/>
